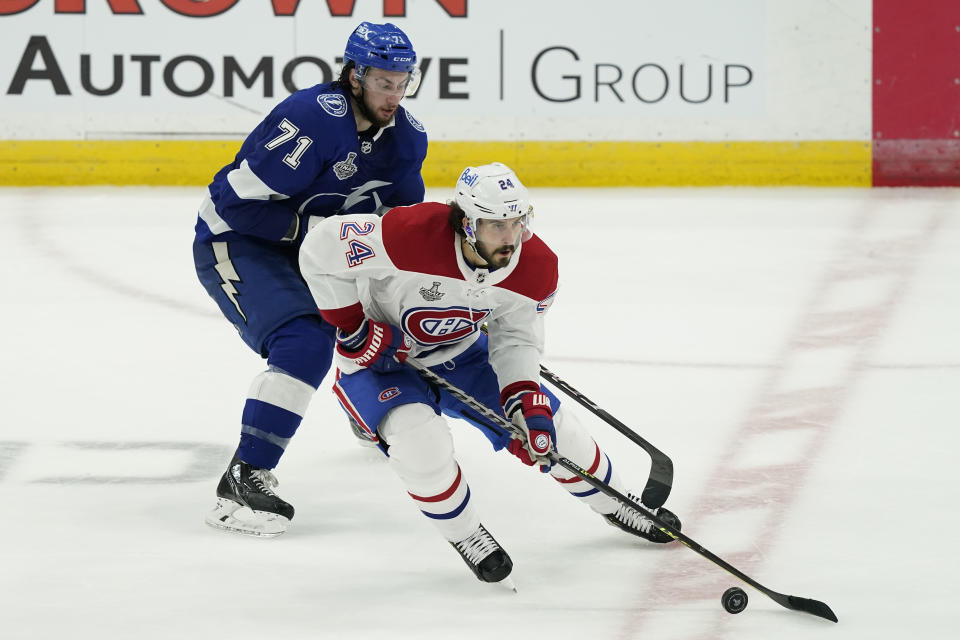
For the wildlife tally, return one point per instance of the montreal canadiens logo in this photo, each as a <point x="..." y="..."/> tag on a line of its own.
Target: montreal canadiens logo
<point x="388" y="394"/>
<point x="431" y="326"/>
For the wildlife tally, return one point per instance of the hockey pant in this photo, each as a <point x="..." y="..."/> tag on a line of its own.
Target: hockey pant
<point x="258" y="288"/>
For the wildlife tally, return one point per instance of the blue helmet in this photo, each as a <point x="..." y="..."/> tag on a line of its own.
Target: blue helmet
<point x="383" y="46"/>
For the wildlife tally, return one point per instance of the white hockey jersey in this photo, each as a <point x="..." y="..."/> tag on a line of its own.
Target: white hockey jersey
<point x="407" y="269"/>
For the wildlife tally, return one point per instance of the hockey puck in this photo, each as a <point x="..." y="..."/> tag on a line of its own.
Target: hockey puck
<point x="734" y="600"/>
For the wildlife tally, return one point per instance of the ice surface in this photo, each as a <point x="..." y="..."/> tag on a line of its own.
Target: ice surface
<point x="794" y="351"/>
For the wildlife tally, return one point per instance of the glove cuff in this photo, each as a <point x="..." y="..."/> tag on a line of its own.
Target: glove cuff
<point x="349" y="318"/>
<point x="536" y="405"/>
<point x="351" y="343"/>
<point x="511" y="394"/>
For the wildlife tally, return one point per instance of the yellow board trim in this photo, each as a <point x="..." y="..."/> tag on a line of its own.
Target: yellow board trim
<point x="540" y="164"/>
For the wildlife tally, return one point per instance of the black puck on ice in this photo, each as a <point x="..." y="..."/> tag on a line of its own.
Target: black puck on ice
<point x="734" y="600"/>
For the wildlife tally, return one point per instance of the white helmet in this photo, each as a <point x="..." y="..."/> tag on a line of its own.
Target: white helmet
<point x="492" y="192"/>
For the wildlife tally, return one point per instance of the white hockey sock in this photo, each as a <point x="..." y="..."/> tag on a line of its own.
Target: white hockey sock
<point x="575" y="443"/>
<point x="421" y="454"/>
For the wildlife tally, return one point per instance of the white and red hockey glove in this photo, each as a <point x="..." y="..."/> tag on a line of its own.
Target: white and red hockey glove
<point x="529" y="408"/>
<point x="375" y="345"/>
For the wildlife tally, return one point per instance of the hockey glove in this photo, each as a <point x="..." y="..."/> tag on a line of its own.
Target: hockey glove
<point x="375" y="345"/>
<point x="530" y="410"/>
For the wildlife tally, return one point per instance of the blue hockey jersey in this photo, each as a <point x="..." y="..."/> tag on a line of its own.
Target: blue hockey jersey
<point x="307" y="158"/>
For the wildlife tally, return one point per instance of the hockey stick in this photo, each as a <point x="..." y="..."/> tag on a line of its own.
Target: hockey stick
<point x="660" y="482"/>
<point x="660" y="479"/>
<point x="813" y="607"/>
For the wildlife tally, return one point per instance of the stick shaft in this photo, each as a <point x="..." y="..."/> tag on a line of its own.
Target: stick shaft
<point x="814" y="607"/>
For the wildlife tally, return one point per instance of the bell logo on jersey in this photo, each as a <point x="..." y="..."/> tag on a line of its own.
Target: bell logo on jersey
<point x="431" y="326"/>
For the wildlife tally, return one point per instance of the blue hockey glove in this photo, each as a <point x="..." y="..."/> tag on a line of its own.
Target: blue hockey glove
<point x="375" y="345"/>
<point x="530" y="410"/>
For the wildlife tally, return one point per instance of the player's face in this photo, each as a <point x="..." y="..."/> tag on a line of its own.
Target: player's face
<point x="497" y="240"/>
<point x="382" y="92"/>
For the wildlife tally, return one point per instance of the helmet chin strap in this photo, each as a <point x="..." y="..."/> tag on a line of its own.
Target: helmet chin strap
<point x="470" y="239"/>
<point x="470" y="235"/>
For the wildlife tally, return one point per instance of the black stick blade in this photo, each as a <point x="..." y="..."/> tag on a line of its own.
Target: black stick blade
<point x="655" y="493"/>
<point x="815" y="607"/>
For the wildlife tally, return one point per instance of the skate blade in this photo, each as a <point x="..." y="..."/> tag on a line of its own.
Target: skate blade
<point x="368" y="444"/>
<point x="236" y="518"/>
<point x="507" y="583"/>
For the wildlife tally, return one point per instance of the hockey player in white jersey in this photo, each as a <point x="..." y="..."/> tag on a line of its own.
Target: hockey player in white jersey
<point x="419" y="283"/>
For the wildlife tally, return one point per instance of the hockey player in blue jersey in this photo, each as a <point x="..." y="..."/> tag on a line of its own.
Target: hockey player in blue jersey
<point x="335" y="148"/>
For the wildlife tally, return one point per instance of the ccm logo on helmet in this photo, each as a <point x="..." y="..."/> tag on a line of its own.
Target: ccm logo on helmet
<point x="432" y="326"/>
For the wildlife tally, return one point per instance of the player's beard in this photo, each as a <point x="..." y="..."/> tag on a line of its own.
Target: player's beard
<point x="493" y="258"/>
<point x="376" y="116"/>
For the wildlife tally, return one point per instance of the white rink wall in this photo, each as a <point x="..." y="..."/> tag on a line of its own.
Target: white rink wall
<point x="620" y="70"/>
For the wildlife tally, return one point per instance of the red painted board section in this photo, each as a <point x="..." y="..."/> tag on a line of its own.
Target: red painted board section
<point x="916" y="93"/>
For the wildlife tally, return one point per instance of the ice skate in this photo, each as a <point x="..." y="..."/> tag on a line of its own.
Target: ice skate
<point x="247" y="504"/>
<point x="633" y="521"/>
<point x="364" y="437"/>
<point x="485" y="557"/>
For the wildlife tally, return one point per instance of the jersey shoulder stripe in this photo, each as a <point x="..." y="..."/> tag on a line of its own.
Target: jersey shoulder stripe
<point x="537" y="273"/>
<point x="418" y="238"/>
